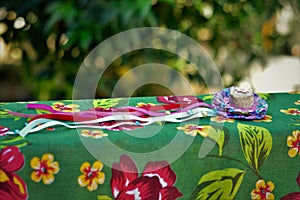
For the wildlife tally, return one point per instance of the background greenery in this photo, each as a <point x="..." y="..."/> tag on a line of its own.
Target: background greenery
<point x="43" y="42"/>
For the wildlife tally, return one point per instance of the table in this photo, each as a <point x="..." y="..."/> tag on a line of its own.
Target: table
<point x="203" y="158"/>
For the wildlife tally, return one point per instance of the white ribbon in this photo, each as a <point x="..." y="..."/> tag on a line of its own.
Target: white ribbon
<point x="121" y="120"/>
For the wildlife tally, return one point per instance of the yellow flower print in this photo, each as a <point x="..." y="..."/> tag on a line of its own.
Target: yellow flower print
<point x="221" y="119"/>
<point x="266" y="118"/>
<point x="291" y="111"/>
<point x="59" y="106"/>
<point x="93" y="134"/>
<point x="263" y="191"/>
<point x="142" y="104"/>
<point x="193" y="130"/>
<point x="294" y="143"/>
<point x="92" y="175"/>
<point x="297" y="102"/>
<point x="44" y="169"/>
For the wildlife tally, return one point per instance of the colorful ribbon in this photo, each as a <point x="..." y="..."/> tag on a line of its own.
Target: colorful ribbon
<point x="127" y="117"/>
<point x="120" y="121"/>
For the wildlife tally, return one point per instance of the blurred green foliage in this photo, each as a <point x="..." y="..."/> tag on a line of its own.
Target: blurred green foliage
<point x="45" y="41"/>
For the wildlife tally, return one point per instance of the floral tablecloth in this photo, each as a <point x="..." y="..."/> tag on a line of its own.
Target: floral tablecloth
<point x="250" y="159"/>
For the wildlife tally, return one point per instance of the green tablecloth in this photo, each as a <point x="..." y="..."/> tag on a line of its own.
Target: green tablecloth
<point x="251" y="159"/>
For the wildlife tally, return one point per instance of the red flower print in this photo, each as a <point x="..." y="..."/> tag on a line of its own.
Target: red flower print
<point x="156" y="181"/>
<point x="294" y="195"/>
<point x="291" y="196"/>
<point x="12" y="187"/>
<point x="141" y="188"/>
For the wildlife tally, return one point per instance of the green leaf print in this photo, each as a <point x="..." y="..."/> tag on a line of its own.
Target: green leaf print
<point x="106" y="103"/>
<point x="104" y="197"/>
<point x="218" y="136"/>
<point x="219" y="184"/>
<point x="264" y="96"/>
<point x="39" y="111"/>
<point x="256" y="143"/>
<point x="13" y="141"/>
